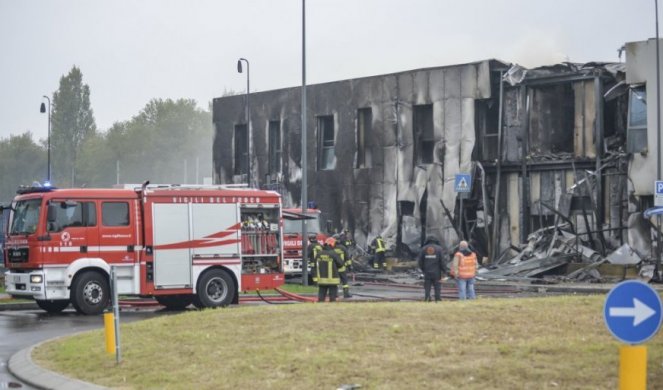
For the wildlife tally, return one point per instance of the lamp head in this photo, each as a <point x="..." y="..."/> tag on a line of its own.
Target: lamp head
<point x="239" y="66"/>
<point x="42" y="109"/>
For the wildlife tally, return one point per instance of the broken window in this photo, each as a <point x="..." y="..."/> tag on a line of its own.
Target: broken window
<point x="364" y="127"/>
<point x="240" y="150"/>
<point x="487" y="116"/>
<point x="636" y="141"/>
<point x="407" y="207"/>
<point x="552" y="119"/>
<point x="326" y="157"/>
<point x="423" y="133"/>
<point x="274" y="147"/>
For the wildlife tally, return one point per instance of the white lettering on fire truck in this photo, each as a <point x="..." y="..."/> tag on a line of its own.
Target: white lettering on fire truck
<point x="233" y="199"/>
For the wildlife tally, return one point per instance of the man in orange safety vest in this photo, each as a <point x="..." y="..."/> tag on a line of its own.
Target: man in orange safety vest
<point x="464" y="269"/>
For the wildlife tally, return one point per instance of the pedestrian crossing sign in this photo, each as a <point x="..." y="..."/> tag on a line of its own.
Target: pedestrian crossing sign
<point x="463" y="182"/>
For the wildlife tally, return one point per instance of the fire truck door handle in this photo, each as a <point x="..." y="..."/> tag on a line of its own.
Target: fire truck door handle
<point x="83" y="249"/>
<point x="130" y="248"/>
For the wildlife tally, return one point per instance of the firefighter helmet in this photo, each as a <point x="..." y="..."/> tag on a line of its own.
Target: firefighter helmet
<point x="331" y="241"/>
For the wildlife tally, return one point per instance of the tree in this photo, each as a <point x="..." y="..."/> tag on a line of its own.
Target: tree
<point x="72" y="123"/>
<point x="22" y="162"/>
<point x="168" y="141"/>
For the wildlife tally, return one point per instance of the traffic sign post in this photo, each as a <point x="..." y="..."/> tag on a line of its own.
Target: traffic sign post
<point x="462" y="186"/>
<point x="658" y="193"/>
<point x="658" y="201"/>
<point x="633" y="314"/>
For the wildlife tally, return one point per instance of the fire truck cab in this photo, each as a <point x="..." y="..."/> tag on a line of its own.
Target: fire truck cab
<point x="292" y="237"/>
<point x="178" y="244"/>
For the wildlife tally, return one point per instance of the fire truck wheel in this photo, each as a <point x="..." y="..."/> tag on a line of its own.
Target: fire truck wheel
<point x="215" y="288"/>
<point x="90" y="293"/>
<point x="175" y="302"/>
<point x="54" y="306"/>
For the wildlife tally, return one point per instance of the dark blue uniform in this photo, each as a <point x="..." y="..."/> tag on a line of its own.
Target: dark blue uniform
<point x="431" y="262"/>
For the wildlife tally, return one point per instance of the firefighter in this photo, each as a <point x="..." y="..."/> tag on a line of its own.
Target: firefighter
<point x="313" y="248"/>
<point x="342" y="252"/>
<point x="464" y="269"/>
<point x="432" y="265"/>
<point x="346" y="239"/>
<point x="378" y="248"/>
<point x="327" y="263"/>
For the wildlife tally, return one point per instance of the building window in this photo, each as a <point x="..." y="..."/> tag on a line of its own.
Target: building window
<point x="274" y="147"/>
<point x="552" y="119"/>
<point x="423" y="134"/>
<point x="326" y="156"/>
<point x="486" y="118"/>
<point x="240" y="150"/>
<point x="115" y="214"/>
<point x="364" y="129"/>
<point x="636" y="141"/>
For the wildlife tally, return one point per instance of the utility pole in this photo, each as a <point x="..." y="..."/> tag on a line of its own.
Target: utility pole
<point x="304" y="153"/>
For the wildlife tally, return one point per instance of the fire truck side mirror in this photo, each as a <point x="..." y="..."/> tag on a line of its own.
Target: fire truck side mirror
<point x="52" y="213"/>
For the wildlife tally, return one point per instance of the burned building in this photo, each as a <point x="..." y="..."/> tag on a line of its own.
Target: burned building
<point x="547" y="147"/>
<point x="383" y="149"/>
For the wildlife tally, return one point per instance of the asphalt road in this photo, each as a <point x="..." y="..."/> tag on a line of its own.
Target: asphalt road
<point x="23" y="328"/>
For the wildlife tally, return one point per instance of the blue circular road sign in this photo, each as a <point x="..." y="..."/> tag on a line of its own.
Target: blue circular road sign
<point x="632" y="312"/>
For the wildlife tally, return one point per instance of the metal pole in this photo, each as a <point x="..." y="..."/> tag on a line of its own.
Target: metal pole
<point x="248" y="126"/>
<point x="304" y="153"/>
<point x="116" y="314"/>
<point x="185" y="179"/>
<point x="48" y="169"/>
<point x="657" y="269"/>
<point x="197" y="169"/>
<point x="117" y="172"/>
<point x="460" y="217"/>
<point x="496" y="215"/>
<point x="248" y="121"/>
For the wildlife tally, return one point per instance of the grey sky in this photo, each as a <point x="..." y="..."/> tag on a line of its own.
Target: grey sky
<point x="131" y="51"/>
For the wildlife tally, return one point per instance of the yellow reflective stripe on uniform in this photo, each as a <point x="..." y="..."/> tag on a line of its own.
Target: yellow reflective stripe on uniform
<point x="328" y="278"/>
<point x="380" y="247"/>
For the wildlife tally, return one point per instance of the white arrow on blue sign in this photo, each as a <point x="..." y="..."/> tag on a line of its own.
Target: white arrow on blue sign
<point x="632" y="312"/>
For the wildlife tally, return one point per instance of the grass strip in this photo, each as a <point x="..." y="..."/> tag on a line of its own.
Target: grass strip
<point x="529" y="343"/>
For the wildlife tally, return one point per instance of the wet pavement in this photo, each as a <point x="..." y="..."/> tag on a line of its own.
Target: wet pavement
<point x="22" y="328"/>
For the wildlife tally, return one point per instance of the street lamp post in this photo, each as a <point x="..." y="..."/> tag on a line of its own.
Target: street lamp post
<point x="42" y="109"/>
<point x="304" y="152"/>
<point x="248" y="120"/>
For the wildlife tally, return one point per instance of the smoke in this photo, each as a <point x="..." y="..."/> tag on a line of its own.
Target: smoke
<point x="537" y="48"/>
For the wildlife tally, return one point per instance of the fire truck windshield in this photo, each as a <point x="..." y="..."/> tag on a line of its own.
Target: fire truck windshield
<point x="25" y="216"/>
<point x="295" y="226"/>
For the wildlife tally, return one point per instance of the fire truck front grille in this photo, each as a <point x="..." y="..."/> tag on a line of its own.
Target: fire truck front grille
<point x="17" y="255"/>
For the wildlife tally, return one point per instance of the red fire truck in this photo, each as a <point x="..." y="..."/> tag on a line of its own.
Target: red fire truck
<point x="292" y="237"/>
<point x="178" y="244"/>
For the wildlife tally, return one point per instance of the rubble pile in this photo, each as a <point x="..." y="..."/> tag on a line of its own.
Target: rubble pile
<point x="556" y="253"/>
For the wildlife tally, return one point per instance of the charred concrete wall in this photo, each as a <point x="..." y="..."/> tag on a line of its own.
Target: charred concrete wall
<point x="396" y="179"/>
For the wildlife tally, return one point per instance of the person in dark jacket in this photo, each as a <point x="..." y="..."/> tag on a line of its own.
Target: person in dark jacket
<point x="311" y="251"/>
<point x="345" y="239"/>
<point x="327" y="263"/>
<point x="431" y="262"/>
<point x="342" y="252"/>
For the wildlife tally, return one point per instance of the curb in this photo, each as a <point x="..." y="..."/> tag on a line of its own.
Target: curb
<point x="22" y="367"/>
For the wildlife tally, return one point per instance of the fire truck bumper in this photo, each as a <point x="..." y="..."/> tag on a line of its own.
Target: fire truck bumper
<point x="29" y="285"/>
